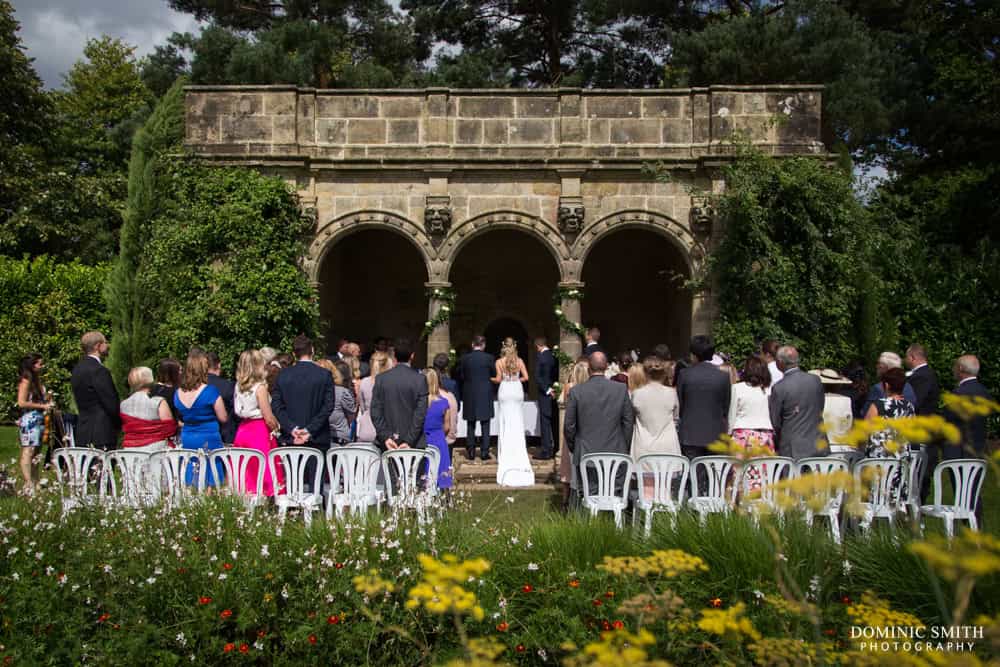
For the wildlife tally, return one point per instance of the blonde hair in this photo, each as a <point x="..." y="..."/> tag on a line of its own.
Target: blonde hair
<point x="140" y="377"/>
<point x="332" y="367"/>
<point x="268" y="354"/>
<point x="433" y="383"/>
<point x="355" y="365"/>
<point x="380" y="362"/>
<point x="508" y="355"/>
<point x="636" y="377"/>
<point x="250" y="369"/>
<point x="90" y="340"/>
<point x="195" y="371"/>
<point x="580" y="372"/>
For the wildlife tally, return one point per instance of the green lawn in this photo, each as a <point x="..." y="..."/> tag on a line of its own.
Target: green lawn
<point x="9" y="444"/>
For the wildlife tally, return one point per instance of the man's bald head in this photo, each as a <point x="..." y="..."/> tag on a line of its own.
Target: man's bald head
<point x="598" y="363"/>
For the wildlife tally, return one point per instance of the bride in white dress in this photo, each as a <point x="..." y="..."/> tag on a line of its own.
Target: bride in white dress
<point x="513" y="466"/>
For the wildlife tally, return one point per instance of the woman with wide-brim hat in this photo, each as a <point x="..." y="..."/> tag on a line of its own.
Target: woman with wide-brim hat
<point x="838" y="415"/>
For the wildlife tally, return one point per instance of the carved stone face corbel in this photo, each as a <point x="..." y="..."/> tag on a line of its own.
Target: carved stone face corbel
<point x="702" y="217"/>
<point x="437" y="218"/>
<point x="571" y="216"/>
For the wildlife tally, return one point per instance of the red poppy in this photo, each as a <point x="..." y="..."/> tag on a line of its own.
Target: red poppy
<point x="527" y="588"/>
<point x="116" y="627"/>
<point x="196" y="538"/>
<point x="311" y="614"/>
<point x="575" y="583"/>
<point x="618" y="625"/>
<point x="312" y="639"/>
<point x="845" y="599"/>
<point x="605" y="626"/>
<point x="204" y="599"/>
<point x="103" y="617"/>
<point x="598" y="602"/>
<point x="519" y="648"/>
<point x="182" y="570"/>
<point x="244" y="648"/>
<point x="502" y="626"/>
<point x="225" y="613"/>
<point x="333" y="620"/>
<point x="609" y="594"/>
<point x="228" y="647"/>
<point x="227" y="566"/>
<point x="829" y="632"/>
<point x="716" y="602"/>
<point x="339" y="566"/>
<point x="261" y="634"/>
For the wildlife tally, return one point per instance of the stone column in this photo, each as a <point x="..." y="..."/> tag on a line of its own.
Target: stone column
<point x="569" y="342"/>
<point x="440" y="339"/>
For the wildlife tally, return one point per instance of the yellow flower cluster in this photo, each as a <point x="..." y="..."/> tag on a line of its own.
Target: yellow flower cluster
<point x="440" y="590"/>
<point x="650" y="607"/>
<point x="876" y="612"/>
<point x="812" y="490"/>
<point x="619" y="648"/>
<point x="727" y="446"/>
<point x="786" y="652"/>
<point x="790" y="607"/>
<point x="728" y="622"/>
<point x="482" y="653"/>
<point x="371" y="584"/>
<point x="664" y="562"/>
<point x="970" y="407"/>
<point x="919" y="430"/>
<point x="971" y="554"/>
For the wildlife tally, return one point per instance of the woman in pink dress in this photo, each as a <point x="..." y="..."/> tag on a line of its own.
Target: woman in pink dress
<point x="252" y="404"/>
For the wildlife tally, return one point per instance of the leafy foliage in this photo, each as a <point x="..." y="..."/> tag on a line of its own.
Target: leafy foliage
<point x="45" y="306"/>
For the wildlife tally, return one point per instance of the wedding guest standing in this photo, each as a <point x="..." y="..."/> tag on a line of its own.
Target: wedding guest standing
<point x="593" y="341"/>
<point x="379" y="363"/>
<point x="201" y="410"/>
<point x="147" y="422"/>
<point x="440" y="364"/>
<point x="476" y="371"/>
<point x="796" y="406"/>
<point x="704" y="394"/>
<point x="33" y="402"/>
<point x="577" y="375"/>
<point x="95" y="395"/>
<point x="749" y="414"/>
<point x="399" y="403"/>
<point x="226" y="389"/>
<point x="168" y="378"/>
<point x="252" y="404"/>
<point x="838" y="412"/>
<point x="769" y="350"/>
<point x="437" y="424"/>
<point x="656" y="415"/>
<point x="546" y="374"/>
<point x="966" y="370"/>
<point x="887" y="361"/>
<point x="637" y="375"/>
<point x="344" y="406"/>
<point x="927" y="392"/>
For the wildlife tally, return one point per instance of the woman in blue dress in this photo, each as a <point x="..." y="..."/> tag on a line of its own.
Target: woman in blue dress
<point x="437" y="424"/>
<point x="201" y="410"/>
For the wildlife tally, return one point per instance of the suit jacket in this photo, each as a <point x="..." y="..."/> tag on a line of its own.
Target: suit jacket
<point x="590" y="348"/>
<point x="475" y="370"/>
<point x="796" y="406"/>
<point x="546" y="373"/>
<point x="226" y="388"/>
<point x="399" y="406"/>
<point x="97" y="400"/>
<point x="303" y="398"/>
<point x="926" y="390"/>
<point x="599" y="419"/>
<point x="704" y="393"/>
<point x="974" y="430"/>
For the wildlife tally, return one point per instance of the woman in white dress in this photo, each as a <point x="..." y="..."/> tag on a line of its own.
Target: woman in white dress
<point x="656" y="415"/>
<point x="513" y="466"/>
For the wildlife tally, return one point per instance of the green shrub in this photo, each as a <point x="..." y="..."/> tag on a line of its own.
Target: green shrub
<point x="45" y="306"/>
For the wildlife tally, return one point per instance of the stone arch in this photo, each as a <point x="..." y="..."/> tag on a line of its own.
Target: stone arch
<point x="532" y="225"/>
<point x="336" y="229"/>
<point x="690" y="248"/>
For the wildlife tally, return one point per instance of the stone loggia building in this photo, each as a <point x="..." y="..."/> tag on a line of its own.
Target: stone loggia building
<point x="504" y="196"/>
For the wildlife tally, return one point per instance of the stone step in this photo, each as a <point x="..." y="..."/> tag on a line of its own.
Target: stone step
<point x="483" y="474"/>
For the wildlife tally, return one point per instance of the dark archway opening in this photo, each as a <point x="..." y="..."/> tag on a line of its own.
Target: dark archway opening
<point x="635" y="293"/>
<point x="372" y="285"/>
<point x="504" y="282"/>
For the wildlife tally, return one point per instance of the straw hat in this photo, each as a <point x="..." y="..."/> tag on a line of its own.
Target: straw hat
<point x="829" y="376"/>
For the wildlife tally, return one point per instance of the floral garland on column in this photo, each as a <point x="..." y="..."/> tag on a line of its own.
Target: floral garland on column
<point x="566" y="324"/>
<point x="446" y="297"/>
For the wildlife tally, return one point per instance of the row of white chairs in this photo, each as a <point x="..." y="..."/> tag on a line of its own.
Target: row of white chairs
<point x="728" y="483"/>
<point x="360" y="476"/>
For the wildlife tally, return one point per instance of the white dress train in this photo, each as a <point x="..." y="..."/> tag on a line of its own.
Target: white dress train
<point x="513" y="465"/>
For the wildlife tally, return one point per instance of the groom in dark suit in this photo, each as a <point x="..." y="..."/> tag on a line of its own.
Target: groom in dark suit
<point x="475" y="372"/>
<point x="546" y="373"/>
<point x="399" y="403"/>
<point x="95" y="395"/>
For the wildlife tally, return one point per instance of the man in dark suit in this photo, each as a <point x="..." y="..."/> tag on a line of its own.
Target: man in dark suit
<point x="475" y="372"/>
<point x="593" y="342"/>
<point x="599" y="419"/>
<point x="95" y="395"/>
<point x="302" y="401"/>
<point x="966" y="370"/>
<point x="796" y="407"/>
<point x="546" y="374"/>
<point x="925" y="387"/>
<point x="440" y="364"/>
<point x="703" y="392"/>
<point x="226" y="389"/>
<point x="399" y="403"/>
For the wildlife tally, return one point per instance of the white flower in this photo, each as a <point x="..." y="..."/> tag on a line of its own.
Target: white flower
<point x="181" y="639"/>
<point x="758" y="594"/>
<point x="264" y="552"/>
<point x="49" y="571"/>
<point x="514" y="540"/>
<point x="542" y="654"/>
<point x="532" y="567"/>
<point x="259" y="645"/>
<point x="107" y="569"/>
<point x="847" y="567"/>
<point x="510" y="499"/>
<point x="62" y="579"/>
<point x="223" y="576"/>
<point x="151" y="580"/>
<point x="15" y="576"/>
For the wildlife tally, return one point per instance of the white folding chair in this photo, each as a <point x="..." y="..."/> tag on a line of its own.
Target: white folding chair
<point x="667" y="472"/>
<point x="720" y="494"/>
<point x="240" y="464"/>
<point x="967" y="477"/>
<point x="182" y="473"/>
<point x="353" y="480"/>
<point x="767" y="471"/>
<point x="432" y="470"/>
<point x="294" y="461"/>
<point x="402" y="471"/>
<point x="832" y="496"/>
<point x="80" y="472"/>
<point x="128" y="480"/>
<point x="914" y="472"/>
<point x="608" y="469"/>
<point x="884" y="476"/>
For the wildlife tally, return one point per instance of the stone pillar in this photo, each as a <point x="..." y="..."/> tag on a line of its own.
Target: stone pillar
<point x="440" y="339"/>
<point x="569" y="342"/>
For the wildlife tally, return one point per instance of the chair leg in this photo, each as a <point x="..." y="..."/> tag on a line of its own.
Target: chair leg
<point x="649" y="523"/>
<point x="835" y="529"/>
<point x="618" y="519"/>
<point x="949" y="526"/>
<point x="973" y="522"/>
<point x="307" y="515"/>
